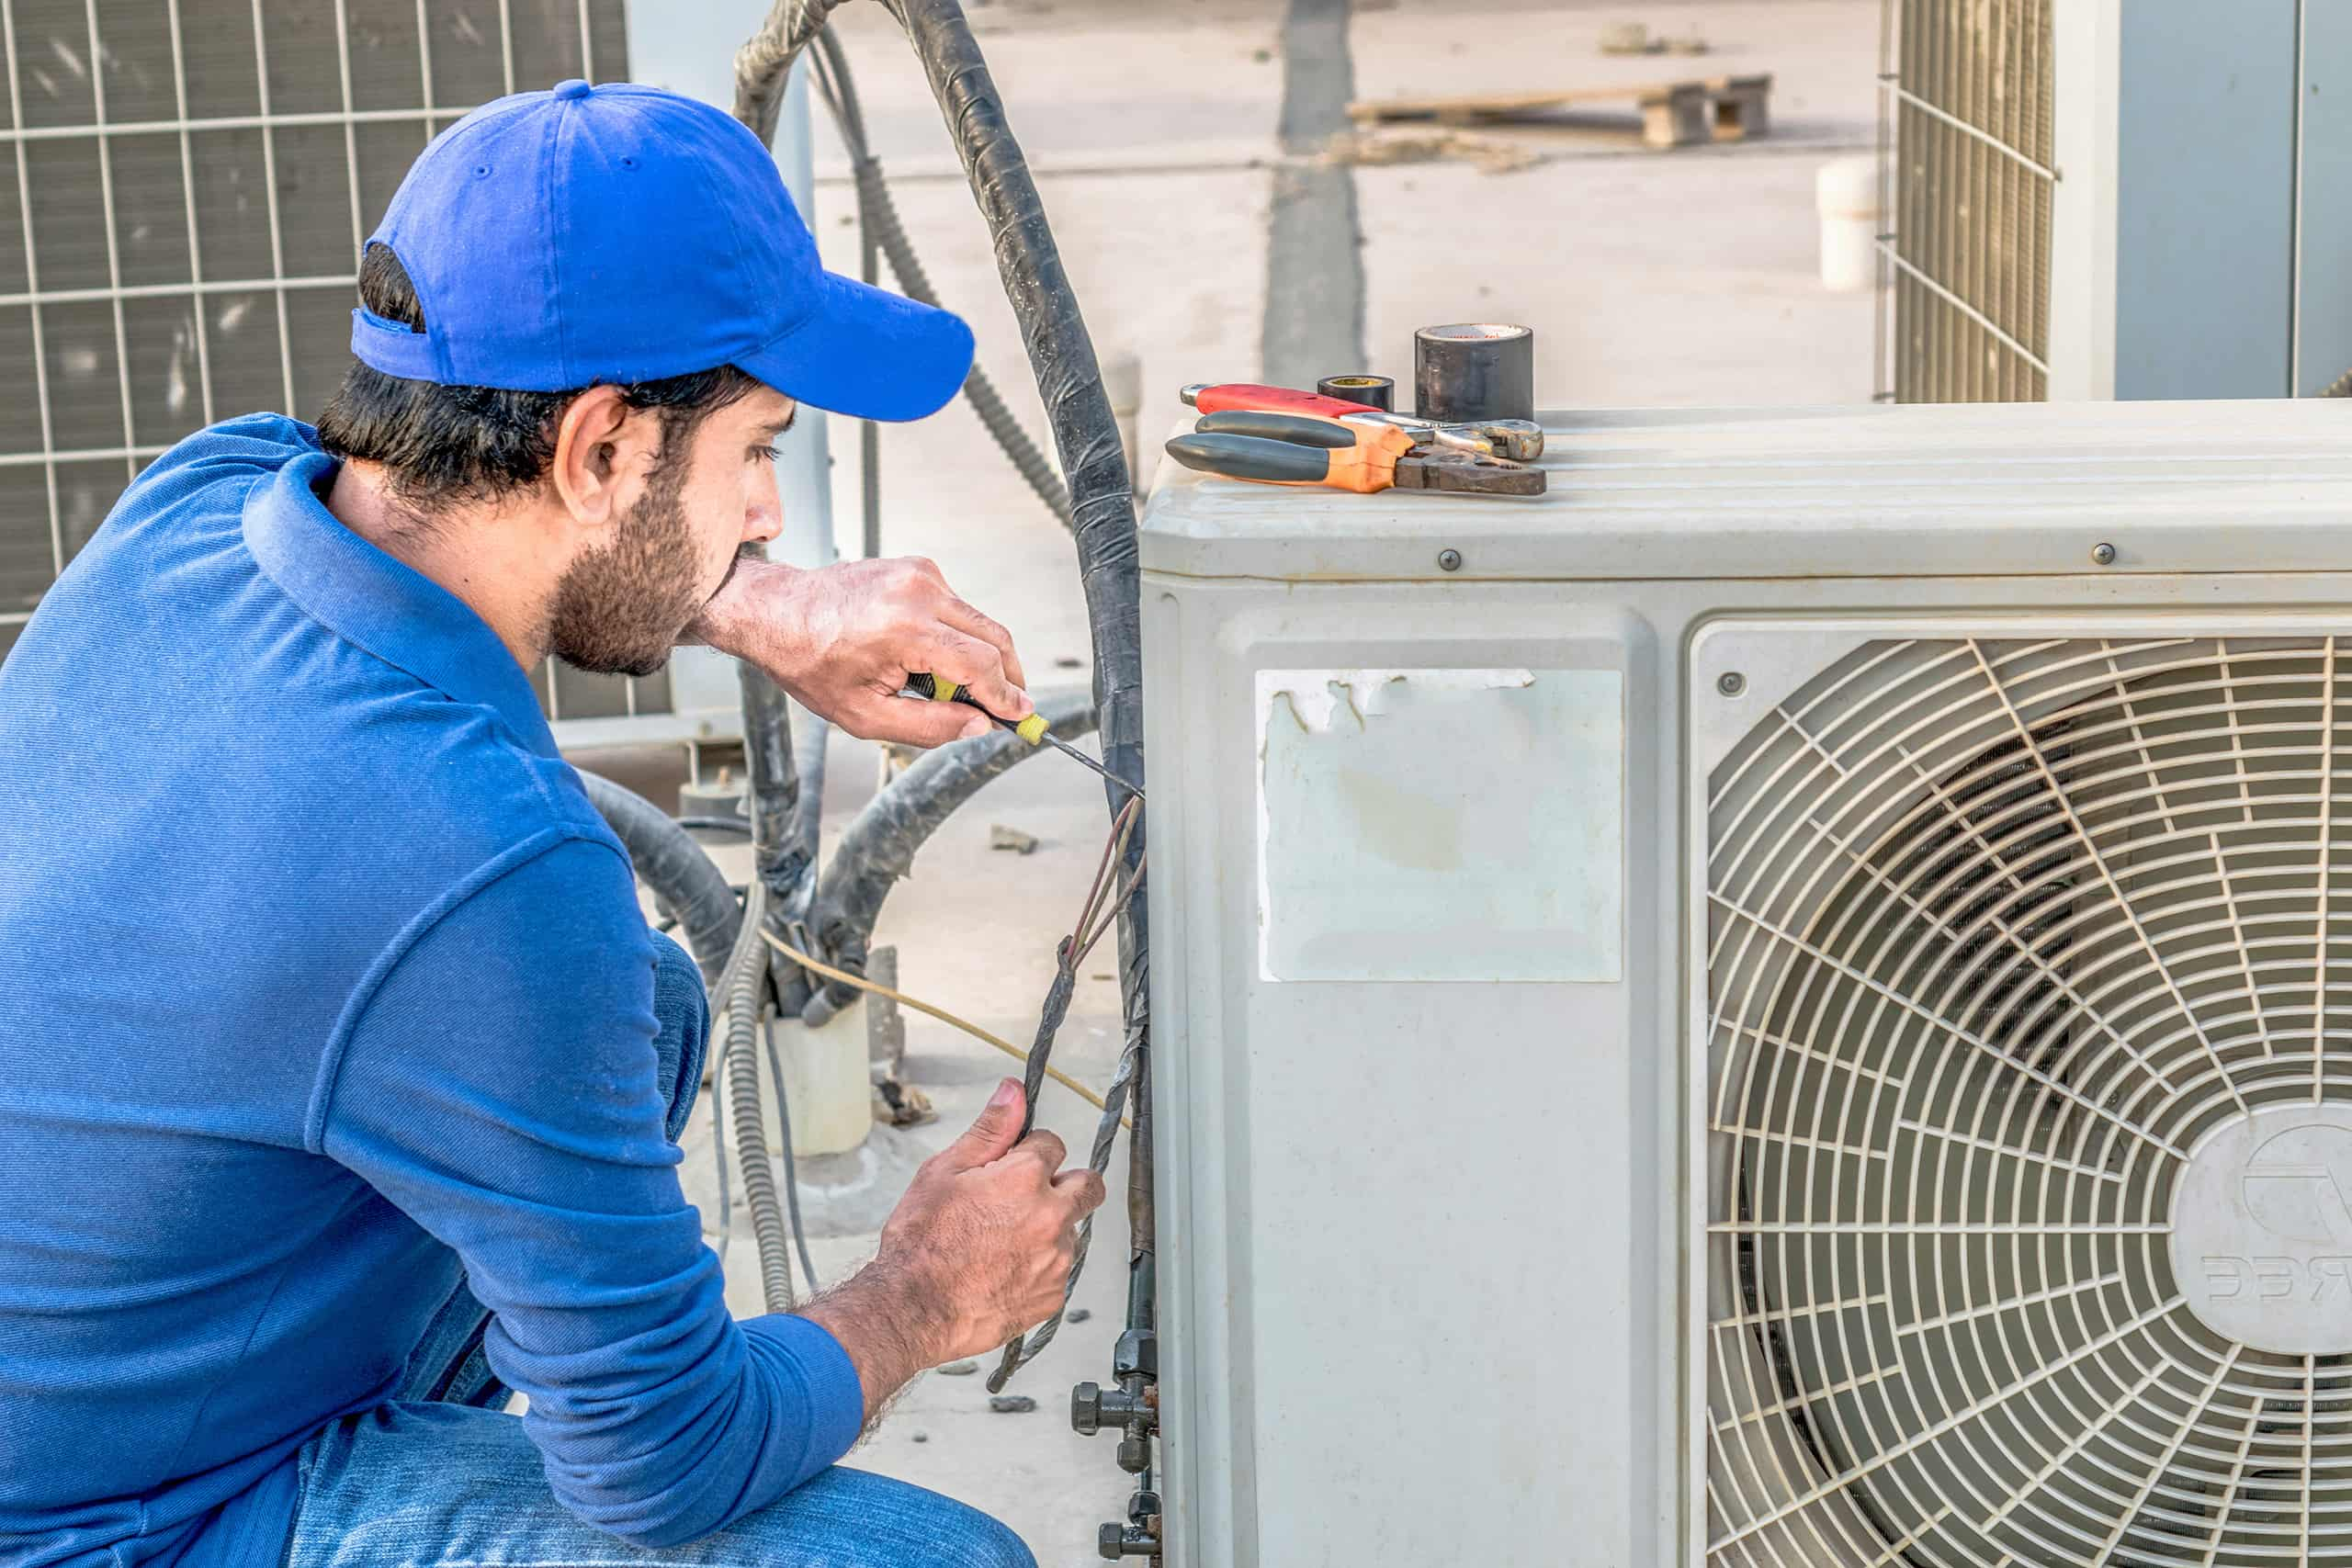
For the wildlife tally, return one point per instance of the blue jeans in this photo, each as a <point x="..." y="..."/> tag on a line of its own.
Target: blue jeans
<point x="441" y="1477"/>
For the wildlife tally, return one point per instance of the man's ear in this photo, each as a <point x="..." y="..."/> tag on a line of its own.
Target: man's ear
<point x="602" y="449"/>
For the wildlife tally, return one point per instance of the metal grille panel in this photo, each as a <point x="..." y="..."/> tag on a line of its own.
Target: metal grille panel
<point x="1968" y="141"/>
<point x="184" y="188"/>
<point x="2007" y="942"/>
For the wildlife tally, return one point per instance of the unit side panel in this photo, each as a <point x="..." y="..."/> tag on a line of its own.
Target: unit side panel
<point x="1419" y="1270"/>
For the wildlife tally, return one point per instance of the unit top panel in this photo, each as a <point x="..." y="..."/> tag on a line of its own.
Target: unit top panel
<point x="1912" y="490"/>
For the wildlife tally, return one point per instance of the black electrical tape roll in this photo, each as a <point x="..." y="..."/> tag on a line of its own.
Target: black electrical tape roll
<point x="1379" y="391"/>
<point x="1473" y="372"/>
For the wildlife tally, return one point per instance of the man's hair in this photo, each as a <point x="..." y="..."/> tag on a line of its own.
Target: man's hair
<point x="448" y="446"/>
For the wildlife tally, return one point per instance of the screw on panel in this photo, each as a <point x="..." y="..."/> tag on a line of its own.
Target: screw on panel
<point x="1731" y="682"/>
<point x="2103" y="554"/>
<point x="1449" y="560"/>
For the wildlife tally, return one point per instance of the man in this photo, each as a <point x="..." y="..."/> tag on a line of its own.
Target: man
<point x="341" y="1075"/>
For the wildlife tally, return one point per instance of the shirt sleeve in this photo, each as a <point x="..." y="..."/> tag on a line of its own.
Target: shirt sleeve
<point x="499" y="1088"/>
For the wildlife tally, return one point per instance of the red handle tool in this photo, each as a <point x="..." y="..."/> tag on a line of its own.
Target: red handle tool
<point x="1273" y="400"/>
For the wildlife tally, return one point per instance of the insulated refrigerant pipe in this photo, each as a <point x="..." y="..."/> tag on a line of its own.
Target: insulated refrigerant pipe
<point x="684" y="880"/>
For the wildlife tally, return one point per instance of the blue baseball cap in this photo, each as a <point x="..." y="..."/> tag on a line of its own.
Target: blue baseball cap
<point x="620" y="234"/>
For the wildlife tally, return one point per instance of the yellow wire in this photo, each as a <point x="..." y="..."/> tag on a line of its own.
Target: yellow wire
<point x="974" y="1030"/>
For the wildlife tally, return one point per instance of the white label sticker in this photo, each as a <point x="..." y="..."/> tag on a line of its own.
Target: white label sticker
<point x="1455" y="825"/>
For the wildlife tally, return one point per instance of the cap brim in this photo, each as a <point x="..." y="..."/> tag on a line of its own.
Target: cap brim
<point x="867" y="352"/>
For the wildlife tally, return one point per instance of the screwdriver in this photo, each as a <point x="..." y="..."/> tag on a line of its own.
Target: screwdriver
<point x="923" y="684"/>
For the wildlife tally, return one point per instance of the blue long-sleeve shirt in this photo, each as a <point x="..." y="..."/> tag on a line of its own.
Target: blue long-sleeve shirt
<point x="320" y="979"/>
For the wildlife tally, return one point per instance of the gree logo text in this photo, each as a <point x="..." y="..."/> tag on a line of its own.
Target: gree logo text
<point x="2264" y="1278"/>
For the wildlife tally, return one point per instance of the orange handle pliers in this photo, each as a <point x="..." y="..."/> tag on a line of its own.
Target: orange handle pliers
<point x="1518" y="439"/>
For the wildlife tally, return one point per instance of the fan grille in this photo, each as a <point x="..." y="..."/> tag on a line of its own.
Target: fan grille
<point x="2016" y="950"/>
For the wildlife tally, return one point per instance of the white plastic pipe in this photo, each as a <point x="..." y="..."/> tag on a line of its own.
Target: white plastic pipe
<point x="1846" y="198"/>
<point x="826" y="1079"/>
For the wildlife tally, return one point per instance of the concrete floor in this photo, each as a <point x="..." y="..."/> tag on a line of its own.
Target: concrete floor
<point x="1651" y="279"/>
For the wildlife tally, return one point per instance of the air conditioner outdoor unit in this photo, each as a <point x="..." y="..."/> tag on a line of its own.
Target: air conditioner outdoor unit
<point x="1795" y="1008"/>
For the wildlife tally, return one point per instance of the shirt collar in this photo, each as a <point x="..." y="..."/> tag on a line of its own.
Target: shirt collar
<point x="383" y="605"/>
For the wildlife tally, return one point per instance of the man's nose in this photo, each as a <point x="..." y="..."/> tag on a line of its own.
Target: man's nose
<point x="764" y="522"/>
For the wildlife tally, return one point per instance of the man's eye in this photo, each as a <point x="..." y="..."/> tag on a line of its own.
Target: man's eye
<point x="767" y="454"/>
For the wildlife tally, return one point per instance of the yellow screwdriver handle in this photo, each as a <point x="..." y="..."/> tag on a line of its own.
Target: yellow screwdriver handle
<point x="923" y="683"/>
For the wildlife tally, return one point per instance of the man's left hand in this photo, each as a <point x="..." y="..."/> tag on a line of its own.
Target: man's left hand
<point x="843" y="640"/>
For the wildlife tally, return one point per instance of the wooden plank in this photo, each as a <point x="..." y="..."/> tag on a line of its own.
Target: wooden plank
<point x="1674" y="114"/>
<point x="1483" y="106"/>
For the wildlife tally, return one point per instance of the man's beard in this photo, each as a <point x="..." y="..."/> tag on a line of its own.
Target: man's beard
<point x="618" y="611"/>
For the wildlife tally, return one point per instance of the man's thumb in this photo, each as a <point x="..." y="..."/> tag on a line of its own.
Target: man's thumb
<point x="994" y="1130"/>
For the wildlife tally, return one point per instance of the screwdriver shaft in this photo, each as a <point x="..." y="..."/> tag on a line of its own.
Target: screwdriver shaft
<point x="1033" y="729"/>
<point x="1069" y="750"/>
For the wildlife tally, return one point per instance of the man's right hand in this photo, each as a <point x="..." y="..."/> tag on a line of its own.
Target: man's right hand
<point x="978" y="1250"/>
<point x="843" y="638"/>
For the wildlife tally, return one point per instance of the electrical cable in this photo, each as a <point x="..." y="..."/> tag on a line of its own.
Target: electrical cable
<point x="1023" y="1351"/>
<point x="974" y="1030"/>
<point x="810" y="739"/>
<point x="1095" y="916"/>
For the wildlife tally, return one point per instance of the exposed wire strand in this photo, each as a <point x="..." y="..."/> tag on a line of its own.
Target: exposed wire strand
<point x="1091" y="923"/>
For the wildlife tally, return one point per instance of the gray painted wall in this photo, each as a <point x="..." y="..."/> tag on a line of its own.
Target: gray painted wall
<point x="2205" y="199"/>
<point x="2323" y="234"/>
